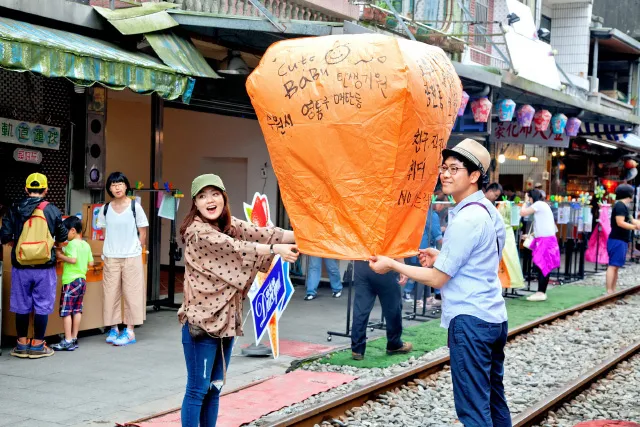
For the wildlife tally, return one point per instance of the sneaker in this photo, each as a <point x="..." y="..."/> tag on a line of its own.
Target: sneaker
<point x="407" y="347"/>
<point x="356" y="356"/>
<point x="64" y="345"/>
<point x="538" y="296"/>
<point x="309" y="297"/>
<point x="75" y="343"/>
<point x="434" y="302"/>
<point x="407" y="297"/>
<point x="112" y="336"/>
<point x="337" y="294"/>
<point x="21" y="350"/>
<point x="39" y="351"/>
<point x="124" y="339"/>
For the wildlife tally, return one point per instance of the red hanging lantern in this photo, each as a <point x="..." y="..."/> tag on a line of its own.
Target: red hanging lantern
<point x="541" y="120"/>
<point x="481" y="109"/>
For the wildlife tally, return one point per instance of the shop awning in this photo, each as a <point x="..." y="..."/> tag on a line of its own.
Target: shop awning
<point x="141" y="19"/>
<point x="621" y="136"/>
<point x="85" y="61"/>
<point x="180" y="54"/>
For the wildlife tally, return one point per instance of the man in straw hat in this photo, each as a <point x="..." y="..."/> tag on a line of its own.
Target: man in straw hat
<point x="466" y="269"/>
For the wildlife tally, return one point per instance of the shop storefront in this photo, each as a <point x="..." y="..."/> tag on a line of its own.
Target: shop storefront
<point x="48" y="120"/>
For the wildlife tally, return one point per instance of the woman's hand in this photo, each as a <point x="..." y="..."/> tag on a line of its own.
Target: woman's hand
<point x="287" y="252"/>
<point x="380" y="264"/>
<point x="402" y="280"/>
<point x="427" y="257"/>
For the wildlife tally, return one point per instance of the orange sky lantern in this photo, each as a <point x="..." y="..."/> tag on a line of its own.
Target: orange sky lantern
<point x="355" y="126"/>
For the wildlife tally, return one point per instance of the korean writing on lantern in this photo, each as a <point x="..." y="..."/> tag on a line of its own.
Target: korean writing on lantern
<point x="279" y="123"/>
<point x="315" y="109"/>
<point x="415" y="199"/>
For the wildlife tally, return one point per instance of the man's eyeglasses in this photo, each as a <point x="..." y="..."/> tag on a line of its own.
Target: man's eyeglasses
<point x="452" y="169"/>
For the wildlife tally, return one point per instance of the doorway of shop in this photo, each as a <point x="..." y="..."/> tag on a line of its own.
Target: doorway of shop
<point x="233" y="171"/>
<point x="514" y="181"/>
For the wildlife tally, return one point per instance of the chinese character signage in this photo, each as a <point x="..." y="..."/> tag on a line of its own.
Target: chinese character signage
<point x="27" y="156"/>
<point x="511" y="132"/>
<point x="30" y="134"/>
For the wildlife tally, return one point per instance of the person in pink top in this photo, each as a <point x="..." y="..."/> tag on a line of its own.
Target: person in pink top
<point x="546" y="252"/>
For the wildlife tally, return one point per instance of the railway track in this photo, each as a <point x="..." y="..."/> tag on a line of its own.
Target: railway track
<point x="538" y="412"/>
<point x="333" y="409"/>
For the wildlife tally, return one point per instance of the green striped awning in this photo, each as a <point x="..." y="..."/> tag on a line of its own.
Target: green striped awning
<point x="180" y="54"/>
<point x="85" y="61"/>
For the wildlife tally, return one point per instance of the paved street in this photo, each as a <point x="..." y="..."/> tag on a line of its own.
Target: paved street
<point x="100" y="385"/>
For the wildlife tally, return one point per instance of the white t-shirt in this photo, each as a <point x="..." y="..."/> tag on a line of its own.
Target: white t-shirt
<point x="121" y="233"/>
<point x="543" y="223"/>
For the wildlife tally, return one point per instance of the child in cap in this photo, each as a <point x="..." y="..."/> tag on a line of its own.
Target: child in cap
<point x="77" y="259"/>
<point x="33" y="265"/>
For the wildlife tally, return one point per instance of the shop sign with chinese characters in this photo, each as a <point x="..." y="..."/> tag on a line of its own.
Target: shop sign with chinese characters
<point x="511" y="132"/>
<point x="29" y="134"/>
<point x="27" y="156"/>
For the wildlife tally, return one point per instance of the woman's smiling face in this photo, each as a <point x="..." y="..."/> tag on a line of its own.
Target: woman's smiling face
<point x="210" y="203"/>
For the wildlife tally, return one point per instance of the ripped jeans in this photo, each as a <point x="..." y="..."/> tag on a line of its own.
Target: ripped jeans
<point x="205" y="376"/>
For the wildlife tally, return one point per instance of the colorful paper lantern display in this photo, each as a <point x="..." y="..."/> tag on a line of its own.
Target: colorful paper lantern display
<point x="329" y="144"/>
<point x="541" y="120"/>
<point x="573" y="126"/>
<point x="481" y="109"/>
<point x="558" y="123"/>
<point x="506" y="110"/>
<point x="463" y="103"/>
<point x="525" y="115"/>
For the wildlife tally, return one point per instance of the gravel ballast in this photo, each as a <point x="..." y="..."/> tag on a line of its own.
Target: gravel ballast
<point x="536" y="363"/>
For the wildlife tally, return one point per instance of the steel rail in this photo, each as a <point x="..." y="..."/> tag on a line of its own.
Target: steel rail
<point x="536" y="413"/>
<point x="332" y="409"/>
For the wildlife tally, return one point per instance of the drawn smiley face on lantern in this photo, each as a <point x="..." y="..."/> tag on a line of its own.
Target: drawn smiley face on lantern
<point x="344" y="114"/>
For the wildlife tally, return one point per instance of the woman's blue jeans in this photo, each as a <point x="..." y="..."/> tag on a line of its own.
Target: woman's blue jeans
<point x="205" y="376"/>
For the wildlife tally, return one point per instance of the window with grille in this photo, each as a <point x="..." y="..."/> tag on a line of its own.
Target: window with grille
<point x="481" y="17"/>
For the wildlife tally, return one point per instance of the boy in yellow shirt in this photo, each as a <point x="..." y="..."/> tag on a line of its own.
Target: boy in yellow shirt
<point x="77" y="259"/>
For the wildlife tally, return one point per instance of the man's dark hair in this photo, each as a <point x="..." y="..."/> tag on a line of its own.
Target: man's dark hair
<point x="624" y="191"/>
<point x="494" y="187"/>
<point x="536" y="195"/>
<point x="115" y="178"/>
<point x="470" y="167"/>
<point x="73" y="222"/>
<point x="36" y="190"/>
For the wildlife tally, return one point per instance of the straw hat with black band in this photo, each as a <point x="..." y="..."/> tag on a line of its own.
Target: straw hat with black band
<point x="473" y="151"/>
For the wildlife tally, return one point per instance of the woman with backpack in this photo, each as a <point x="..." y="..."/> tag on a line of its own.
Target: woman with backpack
<point x="125" y="225"/>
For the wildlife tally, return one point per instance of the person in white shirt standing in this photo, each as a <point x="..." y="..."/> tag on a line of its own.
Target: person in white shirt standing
<point x="126" y="231"/>
<point x="545" y="249"/>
